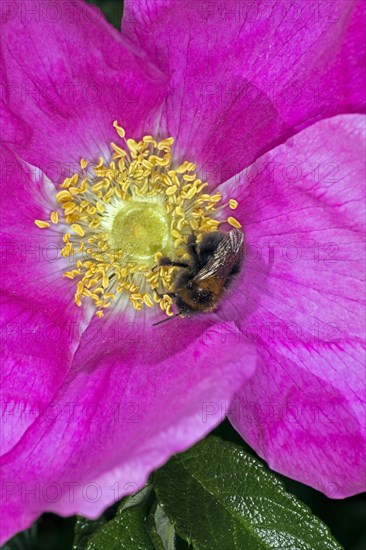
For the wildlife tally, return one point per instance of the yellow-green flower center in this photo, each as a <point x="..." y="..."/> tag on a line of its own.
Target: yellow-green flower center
<point x="141" y="230"/>
<point x="123" y="215"/>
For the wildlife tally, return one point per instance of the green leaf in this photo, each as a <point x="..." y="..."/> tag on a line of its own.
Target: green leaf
<point x="218" y="496"/>
<point x="26" y="540"/>
<point x="112" y="10"/>
<point x="84" y="530"/>
<point x="161" y="530"/>
<point x="127" y="530"/>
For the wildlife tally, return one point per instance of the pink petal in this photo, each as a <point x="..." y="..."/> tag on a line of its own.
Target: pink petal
<point x="31" y="263"/>
<point x="135" y="395"/>
<point x="39" y="330"/>
<point x="68" y="74"/>
<point x="301" y="298"/>
<point x="246" y="75"/>
<point x="36" y="353"/>
<point x="304" y="412"/>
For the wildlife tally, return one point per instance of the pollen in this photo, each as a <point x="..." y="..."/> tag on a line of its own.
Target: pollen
<point x="41" y="224"/>
<point x="234" y="222"/>
<point x="119" y="217"/>
<point x="233" y="204"/>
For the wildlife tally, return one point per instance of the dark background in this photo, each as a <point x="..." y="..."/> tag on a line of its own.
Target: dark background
<point x="346" y="518"/>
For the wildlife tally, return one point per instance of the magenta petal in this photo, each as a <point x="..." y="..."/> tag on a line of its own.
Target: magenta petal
<point x="301" y="296"/>
<point x="246" y="75"/>
<point x="304" y="413"/>
<point x="69" y="75"/>
<point x="36" y="353"/>
<point x="39" y="329"/>
<point x="135" y="395"/>
<point x="13" y="129"/>
<point x="31" y="263"/>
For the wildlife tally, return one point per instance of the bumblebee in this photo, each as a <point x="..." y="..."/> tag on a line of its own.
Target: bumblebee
<point x="201" y="280"/>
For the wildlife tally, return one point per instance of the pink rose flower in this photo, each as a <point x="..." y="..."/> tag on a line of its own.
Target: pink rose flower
<point x="266" y="100"/>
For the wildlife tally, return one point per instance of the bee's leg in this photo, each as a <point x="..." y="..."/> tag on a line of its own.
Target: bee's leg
<point x="168" y="261"/>
<point x="192" y="244"/>
<point x="170" y="294"/>
<point x="192" y="249"/>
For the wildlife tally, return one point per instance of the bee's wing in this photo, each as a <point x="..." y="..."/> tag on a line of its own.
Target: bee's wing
<point x="226" y="255"/>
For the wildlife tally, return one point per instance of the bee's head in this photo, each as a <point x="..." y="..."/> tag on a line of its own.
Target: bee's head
<point x="194" y="298"/>
<point x="202" y="295"/>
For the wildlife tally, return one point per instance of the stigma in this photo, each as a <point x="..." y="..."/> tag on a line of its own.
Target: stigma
<point x="119" y="218"/>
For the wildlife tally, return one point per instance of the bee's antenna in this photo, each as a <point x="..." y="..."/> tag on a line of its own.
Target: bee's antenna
<point x="168" y="319"/>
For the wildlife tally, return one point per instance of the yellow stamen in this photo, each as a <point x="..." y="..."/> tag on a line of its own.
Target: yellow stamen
<point x="232" y="221"/>
<point x="41" y="224"/>
<point x="63" y="196"/>
<point x="119" y="129"/>
<point x="54" y="217"/>
<point x="233" y="204"/>
<point x="215" y="198"/>
<point x="123" y="216"/>
<point x="78" y="229"/>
